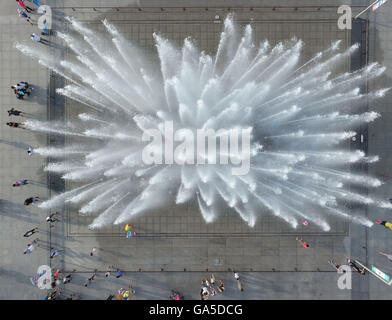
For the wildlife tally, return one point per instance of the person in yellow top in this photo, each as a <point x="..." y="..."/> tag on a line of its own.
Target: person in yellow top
<point x="384" y="223"/>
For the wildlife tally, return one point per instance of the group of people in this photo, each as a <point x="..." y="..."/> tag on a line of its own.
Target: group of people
<point x="22" y="89"/>
<point x="208" y="288"/>
<point x="350" y="262"/>
<point x="23" y="12"/>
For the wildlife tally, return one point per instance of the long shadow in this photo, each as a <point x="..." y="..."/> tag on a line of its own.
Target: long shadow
<point x="35" y="117"/>
<point x="37" y="183"/>
<point x="19" y="145"/>
<point x="38" y="95"/>
<point x="17" y="211"/>
<point x="252" y="281"/>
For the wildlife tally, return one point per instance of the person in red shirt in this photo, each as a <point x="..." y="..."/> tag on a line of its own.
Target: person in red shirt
<point x="303" y="243"/>
<point x="20" y="183"/>
<point x="26" y="8"/>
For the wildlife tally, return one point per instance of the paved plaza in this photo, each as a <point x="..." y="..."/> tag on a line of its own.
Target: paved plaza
<point x="174" y="248"/>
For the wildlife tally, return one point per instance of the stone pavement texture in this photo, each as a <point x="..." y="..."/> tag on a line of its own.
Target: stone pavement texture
<point x="287" y="270"/>
<point x="15" y="218"/>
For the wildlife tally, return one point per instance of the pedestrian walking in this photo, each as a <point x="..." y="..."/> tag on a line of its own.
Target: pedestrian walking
<point x="31" y="200"/>
<point x="35" y="37"/>
<point x="55" y="253"/>
<point x="36" y="2"/>
<point x="94" y="251"/>
<point x="29" y="249"/>
<point x="212" y="279"/>
<point x="24" y="15"/>
<point x="88" y="281"/>
<point x="384" y="223"/>
<point x="355" y="267"/>
<point x="26" y="8"/>
<point x="31" y="151"/>
<point x="53" y="295"/>
<point x="67" y="279"/>
<point x="31" y="232"/>
<point x="221" y="286"/>
<point x="52" y="218"/>
<point x="335" y="265"/>
<point x="15" y="125"/>
<point x="31" y="246"/>
<point x="109" y="270"/>
<point x="236" y="275"/>
<point x="303" y="243"/>
<point x="19" y="183"/>
<point x="119" y="274"/>
<point x="56" y="275"/>
<point x="13" y="112"/>
<point x="389" y="256"/>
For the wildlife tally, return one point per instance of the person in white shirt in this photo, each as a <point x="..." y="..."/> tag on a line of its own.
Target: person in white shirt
<point x="37" y="38"/>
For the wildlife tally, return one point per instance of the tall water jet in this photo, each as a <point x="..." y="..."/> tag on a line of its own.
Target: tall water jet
<point x="298" y="166"/>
